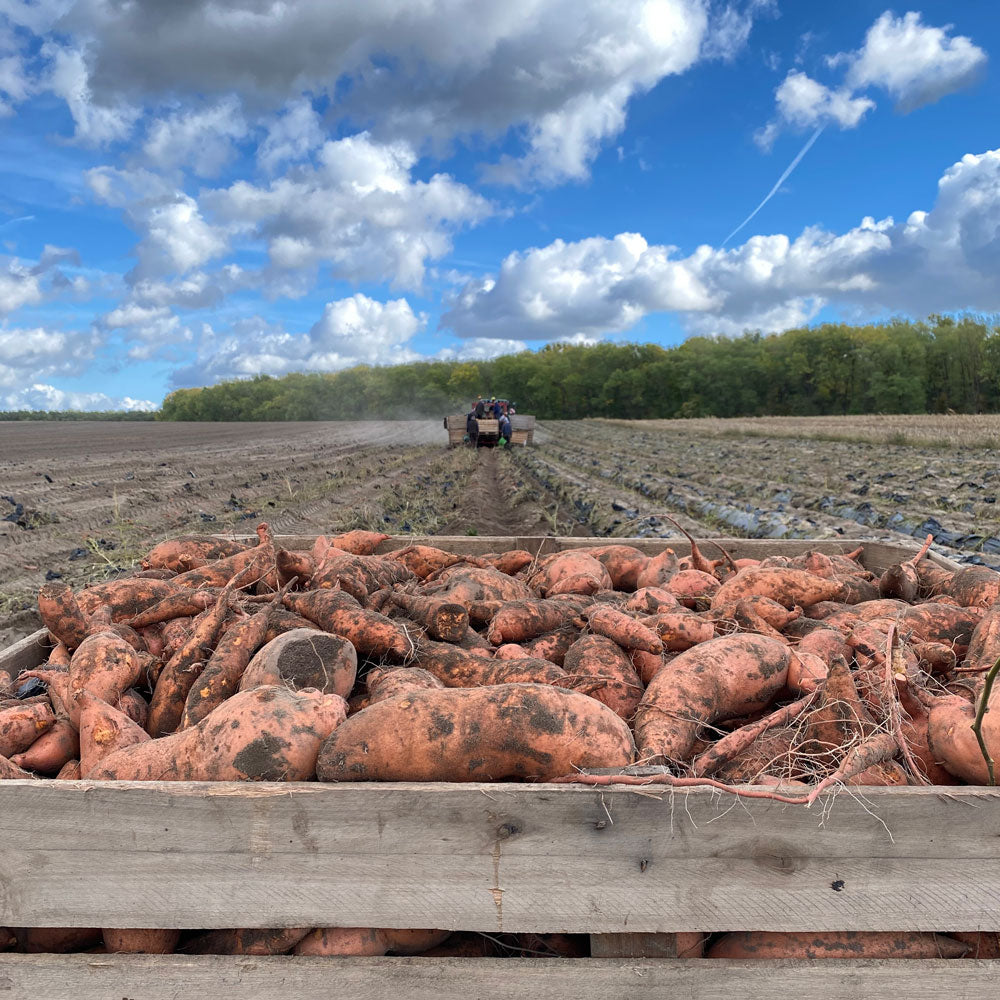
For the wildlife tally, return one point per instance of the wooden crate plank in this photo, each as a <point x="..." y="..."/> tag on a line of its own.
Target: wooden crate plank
<point x="26" y="653"/>
<point x="224" y="977"/>
<point x="494" y="857"/>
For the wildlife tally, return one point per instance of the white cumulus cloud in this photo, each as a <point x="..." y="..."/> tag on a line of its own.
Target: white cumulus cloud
<point x="41" y="396"/>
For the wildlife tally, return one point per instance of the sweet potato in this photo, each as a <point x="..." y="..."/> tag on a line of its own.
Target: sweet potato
<point x="511" y="562"/>
<point x="839" y="720"/>
<point x="789" y="587"/>
<point x="358" y="575"/>
<point x="359" y="542"/>
<point x="370" y="941"/>
<point x="103" y="730"/>
<point x="680" y="629"/>
<point x="180" y="554"/>
<point x="476" y="734"/>
<point x="444" y="621"/>
<point x="651" y="601"/>
<point x="183" y="669"/>
<point x="648" y="665"/>
<point x="61" y="613"/>
<point x="719" y="679"/>
<point x="984" y="644"/>
<point x="625" y="631"/>
<point x="59" y="940"/>
<point x="457" y="667"/>
<point x="370" y="633"/>
<point x="771" y="612"/>
<point x="836" y="944"/>
<point x="601" y="659"/>
<point x="126" y="597"/>
<point x="422" y="560"/>
<point x="246" y="941"/>
<point x="304" y="658"/>
<point x="945" y="623"/>
<point x="624" y="563"/>
<point x="152" y="639"/>
<point x="184" y="604"/>
<point x="658" y="570"/>
<point x="935" y="657"/>
<point x="510" y="651"/>
<point x="249" y="565"/>
<point x="553" y="645"/>
<point x="522" y="620"/>
<point x="268" y="734"/>
<point x="471" y="585"/>
<point x="974" y="587"/>
<point x="570" y="572"/>
<point x="692" y="588"/>
<point x="70" y="771"/>
<point x="175" y="633"/>
<point x="221" y="675"/>
<point x="387" y="682"/>
<point x="9" y="771"/>
<point x="21" y="723"/>
<point x="136" y="941"/>
<point x="50" y="752"/>
<point x="293" y="565"/>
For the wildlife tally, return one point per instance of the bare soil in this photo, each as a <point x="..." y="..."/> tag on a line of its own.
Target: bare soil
<point x="87" y="500"/>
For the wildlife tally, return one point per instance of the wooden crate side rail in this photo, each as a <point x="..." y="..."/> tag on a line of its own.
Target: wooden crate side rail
<point x="494" y="858"/>
<point x="225" y="977"/>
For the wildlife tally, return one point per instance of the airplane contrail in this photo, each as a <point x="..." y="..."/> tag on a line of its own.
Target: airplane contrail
<point x="10" y="222"/>
<point x="781" y="180"/>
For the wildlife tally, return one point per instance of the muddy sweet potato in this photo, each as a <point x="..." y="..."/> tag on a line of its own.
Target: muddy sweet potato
<point x="127" y="597"/>
<point x="553" y="645"/>
<point x="53" y="748"/>
<point x="21" y="723"/>
<point x="602" y="660"/>
<point x="9" y="771"/>
<point x="472" y="585"/>
<point x="61" y="613"/>
<point x="370" y="633"/>
<point x="190" y="552"/>
<point x="268" y="734"/>
<point x="528" y="731"/>
<point x="658" y="570"/>
<point x="523" y="620"/>
<point x="680" y="629"/>
<point x="719" y="679"/>
<point x="444" y="621"/>
<point x="387" y="682"/>
<point x="623" y="630"/>
<point x="359" y="542"/>
<point x="624" y="563"/>
<point x="789" y="587"/>
<point x="692" y="588"/>
<point x="358" y="575"/>
<point x="138" y="941"/>
<point x="103" y="730"/>
<point x="304" y="658"/>
<point x="246" y="941"/>
<point x="423" y="560"/>
<point x="836" y="944"/>
<point x="974" y="587"/>
<point x="570" y="572"/>
<point x="651" y="601"/>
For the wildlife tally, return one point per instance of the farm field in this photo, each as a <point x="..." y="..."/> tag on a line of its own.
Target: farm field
<point x="86" y="500"/>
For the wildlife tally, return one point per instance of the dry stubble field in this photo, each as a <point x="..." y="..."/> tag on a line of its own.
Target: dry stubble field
<point x="85" y="500"/>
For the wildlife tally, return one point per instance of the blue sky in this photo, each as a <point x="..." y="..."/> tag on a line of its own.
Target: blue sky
<point x="211" y="190"/>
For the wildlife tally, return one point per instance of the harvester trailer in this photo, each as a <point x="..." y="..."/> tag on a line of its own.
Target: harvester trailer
<point x="484" y="432"/>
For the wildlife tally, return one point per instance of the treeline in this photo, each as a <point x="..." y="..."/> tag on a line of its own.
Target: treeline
<point x="77" y="415"/>
<point x="942" y="364"/>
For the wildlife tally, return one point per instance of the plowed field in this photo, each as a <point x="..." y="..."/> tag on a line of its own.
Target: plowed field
<point x="85" y="500"/>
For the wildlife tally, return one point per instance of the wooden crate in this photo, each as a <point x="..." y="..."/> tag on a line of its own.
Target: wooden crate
<point x="626" y="865"/>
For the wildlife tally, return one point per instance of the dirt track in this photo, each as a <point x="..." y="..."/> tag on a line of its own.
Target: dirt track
<point x="86" y="500"/>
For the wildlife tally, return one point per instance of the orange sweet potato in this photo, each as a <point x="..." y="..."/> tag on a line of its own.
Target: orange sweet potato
<point x="61" y="613"/>
<point x="304" y="658"/>
<point x="836" y="944"/>
<point x="282" y="620"/>
<point x="126" y="597"/>
<point x="680" y="629"/>
<point x="249" y="566"/>
<point x="553" y="645"/>
<point x="624" y="563"/>
<point x="620" y="628"/>
<point x="135" y="941"/>
<point x="50" y="752"/>
<point x="180" y="605"/>
<point x="510" y="651"/>
<point x="21" y="723"/>
<point x="471" y="585"/>
<point x="370" y="633"/>
<point x="444" y="621"/>
<point x="570" y="572"/>
<point x="387" y="682"/>
<point x="974" y="587"/>
<point x="522" y="620"/>
<point x="246" y="941"/>
<point x="692" y="588"/>
<point x="658" y="570"/>
<point x="358" y="575"/>
<point x="9" y="771"/>
<point x="789" y="587"/>
<point x="268" y="734"/>
<point x="476" y="734"/>
<point x="600" y="659"/>
<point x="356" y="941"/>
<point x="651" y="601"/>
<point x="648" y="665"/>
<point x="719" y="679"/>
<point x="183" y="668"/>
<point x="359" y="542"/>
<point x="422" y="560"/>
<point x="457" y="667"/>
<point x="508" y="562"/>
<point x="180" y="554"/>
<point x="60" y="940"/>
<point x="225" y="667"/>
<point x="70" y="771"/>
<point x="294" y="565"/>
<point x="103" y="730"/>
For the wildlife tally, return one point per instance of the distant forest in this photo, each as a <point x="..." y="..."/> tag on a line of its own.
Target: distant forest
<point x="78" y="415"/>
<point x="942" y="364"/>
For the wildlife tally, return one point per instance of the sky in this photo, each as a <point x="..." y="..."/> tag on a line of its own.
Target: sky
<point x="193" y="191"/>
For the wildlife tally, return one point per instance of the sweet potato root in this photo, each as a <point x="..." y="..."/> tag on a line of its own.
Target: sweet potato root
<point x="719" y="679"/>
<point x="624" y="563"/>
<point x="974" y="587"/>
<point x="268" y="734"/>
<point x="127" y="597"/>
<point x="508" y="731"/>
<point x="553" y="645"/>
<point x="625" y="631"/>
<point x="570" y="572"/>
<point x="523" y="620"/>
<point x="61" y="613"/>
<point x="836" y="944"/>
<point x="444" y="621"/>
<point x="304" y="658"/>
<point x="358" y="542"/>
<point x="21" y="723"/>
<point x="103" y="730"/>
<point x="133" y="941"/>
<point x="789" y="587"/>
<point x="680" y="629"/>
<point x="651" y="601"/>
<point x="9" y="771"/>
<point x="53" y="748"/>
<point x="600" y="659"/>
<point x="246" y="941"/>
<point x="388" y="682"/>
<point x="181" y="554"/>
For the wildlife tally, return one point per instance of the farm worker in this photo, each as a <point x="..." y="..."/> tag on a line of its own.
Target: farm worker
<point x="471" y="427"/>
<point x="496" y="408"/>
<point x="505" y="426"/>
<point x="480" y="407"/>
<point x="511" y="410"/>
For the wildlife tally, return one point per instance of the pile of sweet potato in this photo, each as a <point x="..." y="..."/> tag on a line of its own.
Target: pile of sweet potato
<point x="224" y="661"/>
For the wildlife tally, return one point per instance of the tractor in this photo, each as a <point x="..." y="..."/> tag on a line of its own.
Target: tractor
<point x="487" y="429"/>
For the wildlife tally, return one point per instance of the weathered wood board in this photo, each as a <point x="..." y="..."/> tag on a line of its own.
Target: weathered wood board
<point x="167" y="977"/>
